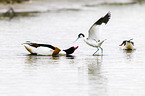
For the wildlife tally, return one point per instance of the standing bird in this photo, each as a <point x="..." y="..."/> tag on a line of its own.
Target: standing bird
<point x="128" y="44"/>
<point x="93" y="37"/>
<point x="45" y="49"/>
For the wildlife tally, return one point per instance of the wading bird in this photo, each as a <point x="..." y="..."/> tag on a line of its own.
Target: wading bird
<point x="93" y="37"/>
<point x="45" y="49"/>
<point x="128" y="44"/>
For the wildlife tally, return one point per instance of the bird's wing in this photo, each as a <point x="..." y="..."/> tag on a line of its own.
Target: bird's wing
<point x="93" y="31"/>
<point x="47" y="45"/>
<point x="39" y="45"/>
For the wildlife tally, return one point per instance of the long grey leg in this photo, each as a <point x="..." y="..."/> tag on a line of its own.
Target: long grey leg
<point x="96" y="51"/>
<point x="101" y="50"/>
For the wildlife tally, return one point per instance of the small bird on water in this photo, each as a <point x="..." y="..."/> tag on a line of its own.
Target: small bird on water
<point x="93" y="37"/>
<point x="45" y="49"/>
<point x="128" y="44"/>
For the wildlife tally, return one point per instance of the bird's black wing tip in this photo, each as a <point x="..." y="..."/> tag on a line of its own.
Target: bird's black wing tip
<point x="107" y="17"/>
<point x="109" y="13"/>
<point x="103" y="19"/>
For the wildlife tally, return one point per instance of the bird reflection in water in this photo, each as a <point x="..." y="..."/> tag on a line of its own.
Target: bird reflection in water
<point x="97" y="81"/>
<point x="129" y="53"/>
<point x="94" y="66"/>
<point x="34" y="59"/>
<point x="70" y="57"/>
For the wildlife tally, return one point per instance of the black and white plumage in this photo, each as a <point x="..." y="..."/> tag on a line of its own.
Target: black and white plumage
<point x="93" y="31"/>
<point x="93" y="36"/>
<point x="46" y="49"/>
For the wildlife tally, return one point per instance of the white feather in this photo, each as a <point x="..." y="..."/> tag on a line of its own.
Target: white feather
<point x="94" y="33"/>
<point x="39" y="50"/>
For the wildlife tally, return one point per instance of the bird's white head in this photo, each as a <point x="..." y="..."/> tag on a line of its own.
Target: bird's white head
<point x="81" y="35"/>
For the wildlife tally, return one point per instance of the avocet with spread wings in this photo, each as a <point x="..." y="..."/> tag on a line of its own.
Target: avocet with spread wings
<point x="93" y="37"/>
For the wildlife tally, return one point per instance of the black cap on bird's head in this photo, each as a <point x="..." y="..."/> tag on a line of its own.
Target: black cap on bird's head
<point x="70" y="50"/>
<point x="81" y="35"/>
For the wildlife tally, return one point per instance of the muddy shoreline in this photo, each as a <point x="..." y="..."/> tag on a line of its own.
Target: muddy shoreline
<point x="28" y="7"/>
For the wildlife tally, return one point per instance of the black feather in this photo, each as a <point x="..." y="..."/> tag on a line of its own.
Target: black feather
<point x="81" y="34"/>
<point x="70" y="50"/>
<point x="38" y="45"/>
<point x="47" y="45"/>
<point x="104" y="19"/>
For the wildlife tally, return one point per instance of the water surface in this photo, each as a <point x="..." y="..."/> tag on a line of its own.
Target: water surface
<point x="116" y="73"/>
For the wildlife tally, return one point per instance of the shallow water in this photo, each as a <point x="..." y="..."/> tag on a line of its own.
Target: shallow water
<point x="116" y="73"/>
